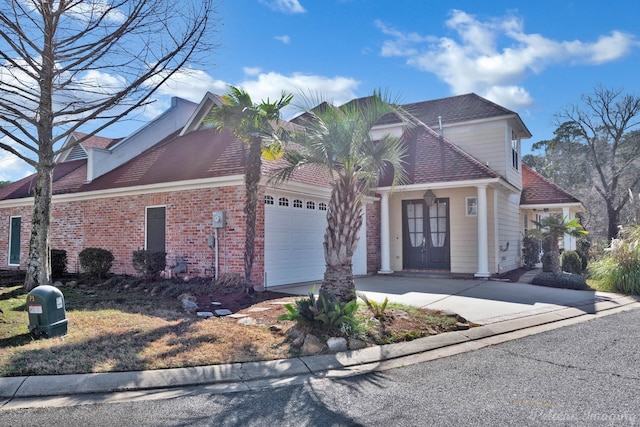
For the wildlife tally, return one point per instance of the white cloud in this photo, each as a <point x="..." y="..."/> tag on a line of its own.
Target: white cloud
<point x="270" y="85"/>
<point x="11" y="167"/>
<point x="260" y="85"/>
<point x="252" y="71"/>
<point x="494" y="57"/>
<point x="286" y="6"/>
<point x="284" y="39"/>
<point x="189" y="84"/>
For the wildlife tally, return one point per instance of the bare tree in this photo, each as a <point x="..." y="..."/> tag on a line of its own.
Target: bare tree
<point x="604" y="123"/>
<point x="70" y="62"/>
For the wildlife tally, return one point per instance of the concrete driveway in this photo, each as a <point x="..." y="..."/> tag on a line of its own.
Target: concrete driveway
<point x="479" y="301"/>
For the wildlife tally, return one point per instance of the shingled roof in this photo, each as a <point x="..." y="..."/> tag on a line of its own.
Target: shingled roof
<point x="538" y="190"/>
<point x="205" y="153"/>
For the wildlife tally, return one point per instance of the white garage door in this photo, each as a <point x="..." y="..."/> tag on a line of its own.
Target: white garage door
<point x="294" y="232"/>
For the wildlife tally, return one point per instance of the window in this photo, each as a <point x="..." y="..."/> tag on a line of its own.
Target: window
<point x="322" y="206"/>
<point x="14" y="240"/>
<point x="283" y="201"/>
<point x="472" y="206"/>
<point x="311" y="205"/>
<point x="297" y="203"/>
<point x="268" y="200"/>
<point x="515" y="150"/>
<point x="156" y="229"/>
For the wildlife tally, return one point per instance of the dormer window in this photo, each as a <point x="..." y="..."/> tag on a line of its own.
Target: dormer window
<point x="515" y="150"/>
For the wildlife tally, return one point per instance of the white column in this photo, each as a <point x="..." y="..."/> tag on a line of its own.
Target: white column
<point x="483" y="234"/>
<point x="385" y="255"/>
<point x="566" y="238"/>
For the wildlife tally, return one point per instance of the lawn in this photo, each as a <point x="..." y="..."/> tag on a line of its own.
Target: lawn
<point x="125" y="324"/>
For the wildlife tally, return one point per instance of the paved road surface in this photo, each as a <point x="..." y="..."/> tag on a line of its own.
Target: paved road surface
<point x="581" y="375"/>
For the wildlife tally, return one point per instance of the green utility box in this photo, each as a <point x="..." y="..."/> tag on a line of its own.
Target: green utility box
<point x="47" y="317"/>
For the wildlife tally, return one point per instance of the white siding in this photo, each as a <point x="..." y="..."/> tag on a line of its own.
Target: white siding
<point x="508" y="236"/>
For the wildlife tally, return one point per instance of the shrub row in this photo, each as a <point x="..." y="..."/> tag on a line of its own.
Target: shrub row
<point x="96" y="262"/>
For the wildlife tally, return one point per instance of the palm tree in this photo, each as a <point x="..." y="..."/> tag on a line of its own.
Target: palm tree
<point x="554" y="227"/>
<point x="338" y="139"/>
<point x="255" y="124"/>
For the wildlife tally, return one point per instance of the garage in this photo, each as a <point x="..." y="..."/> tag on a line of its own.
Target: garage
<point x="294" y="232"/>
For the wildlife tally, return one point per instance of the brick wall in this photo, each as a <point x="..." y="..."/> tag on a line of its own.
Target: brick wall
<point x="118" y="224"/>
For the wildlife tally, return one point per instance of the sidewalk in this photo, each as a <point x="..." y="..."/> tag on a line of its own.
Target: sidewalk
<point x="57" y="390"/>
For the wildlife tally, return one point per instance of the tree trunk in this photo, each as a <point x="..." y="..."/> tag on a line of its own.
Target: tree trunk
<point x="555" y="256"/>
<point x="344" y="219"/>
<point x="39" y="264"/>
<point x="252" y="180"/>
<point x="612" y="221"/>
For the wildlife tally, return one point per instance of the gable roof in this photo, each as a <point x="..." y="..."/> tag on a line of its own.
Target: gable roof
<point x="432" y="158"/>
<point x="67" y="178"/>
<point x="538" y="190"/>
<point x="205" y="153"/>
<point x="456" y="109"/>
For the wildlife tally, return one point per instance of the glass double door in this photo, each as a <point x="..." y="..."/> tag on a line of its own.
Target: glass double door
<point x="425" y="229"/>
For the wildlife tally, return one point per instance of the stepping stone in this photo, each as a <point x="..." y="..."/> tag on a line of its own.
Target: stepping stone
<point x="205" y="314"/>
<point x="223" y="312"/>
<point x="238" y="315"/>
<point x="258" y="309"/>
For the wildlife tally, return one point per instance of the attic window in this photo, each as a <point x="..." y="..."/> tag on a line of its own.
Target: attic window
<point x="77" y="153"/>
<point x="515" y="150"/>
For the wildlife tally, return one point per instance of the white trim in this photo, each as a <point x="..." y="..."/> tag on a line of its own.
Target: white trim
<point x="466" y="206"/>
<point x="194" y="184"/>
<point x="440" y="185"/>
<point x="553" y="206"/>
<point x="10" y="233"/>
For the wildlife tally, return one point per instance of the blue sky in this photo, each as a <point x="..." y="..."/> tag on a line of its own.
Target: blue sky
<point x="534" y="57"/>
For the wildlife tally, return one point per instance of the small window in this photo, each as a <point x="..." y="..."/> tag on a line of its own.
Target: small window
<point x="283" y="201"/>
<point x="311" y="205"/>
<point x="15" y="224"/>
<point x="268" y="200"/>
<point x="472" y="206"/>
<point x="322" y="206"/>
<point x="515" y="150"/>
<point x="297" y="203"/>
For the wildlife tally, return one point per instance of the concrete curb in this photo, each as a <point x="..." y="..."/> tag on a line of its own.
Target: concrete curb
<point x="256" y="373"/>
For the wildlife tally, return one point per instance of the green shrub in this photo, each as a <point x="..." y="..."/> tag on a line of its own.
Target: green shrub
<point x="619" y="268"/>
<point x="96" y="262"/>
<point x="530" y="251"/>
<point x="149" y="263"/>
<point x="571" y="262"/>
<point x="324" y="313"/>
<point x="377" y="309"/>
<point x="561" y="280"/>
<point x="301" y="312"/>
<point x="58" y="263"/>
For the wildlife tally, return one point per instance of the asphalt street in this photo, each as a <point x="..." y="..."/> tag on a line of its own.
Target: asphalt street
<point x="585" y="374"/>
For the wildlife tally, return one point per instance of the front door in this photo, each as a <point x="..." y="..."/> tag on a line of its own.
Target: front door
<point x="426" y="235"/>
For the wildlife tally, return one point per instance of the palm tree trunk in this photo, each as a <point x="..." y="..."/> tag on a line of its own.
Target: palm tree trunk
<point x="252" y="180"/>
<point x="39" y="265"/>
<point x="344" y="219"/>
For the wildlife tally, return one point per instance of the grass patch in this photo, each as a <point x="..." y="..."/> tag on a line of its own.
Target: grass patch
<point x="128" y="324"/>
